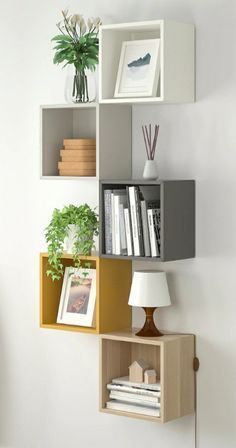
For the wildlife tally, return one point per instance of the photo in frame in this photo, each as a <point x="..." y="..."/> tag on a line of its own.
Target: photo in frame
<point x="139" y="69"/>
<point x="78" y="297"/>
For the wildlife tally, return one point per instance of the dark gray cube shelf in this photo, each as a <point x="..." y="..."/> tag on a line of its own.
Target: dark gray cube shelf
<point x="177" y="209"/>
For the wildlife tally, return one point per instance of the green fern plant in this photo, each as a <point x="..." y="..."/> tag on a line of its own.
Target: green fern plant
<point x="85" y="220"/>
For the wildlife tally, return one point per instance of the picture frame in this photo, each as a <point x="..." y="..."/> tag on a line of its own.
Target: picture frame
<point x="78" y="297"/>
<point x="139" y="69"/>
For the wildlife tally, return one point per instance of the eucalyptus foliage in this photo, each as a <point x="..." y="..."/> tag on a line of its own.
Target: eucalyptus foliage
<point x="86" y="221"/>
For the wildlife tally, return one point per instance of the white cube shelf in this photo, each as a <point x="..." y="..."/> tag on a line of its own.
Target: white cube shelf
<point x="177" y="59"/>
<point x="109" y="125"/>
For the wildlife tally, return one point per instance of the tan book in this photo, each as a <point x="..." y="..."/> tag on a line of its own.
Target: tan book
<point x="77" y="156"/>
<point x="90" y="173"/>
<point x="79" y="148"/>
<point x="76" y="165"/>
<point x="78" y="142"/>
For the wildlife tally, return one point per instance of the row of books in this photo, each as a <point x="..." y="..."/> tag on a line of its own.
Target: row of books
<point x="78" y="158"/>
<point x="139" y="398"/>
<point x="132" y="223"/>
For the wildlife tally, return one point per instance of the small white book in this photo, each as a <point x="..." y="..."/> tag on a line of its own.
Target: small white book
<point x="153" y="239"/>
<point x="123" y="238"/>
<point x="120" y="197"/>
<point x="134" y="222"/>
<point x="113" y="224"/>
<point x="136" y="409"/>
<point x="128" y="232"/>
<point x="134" y="390"/>
<point x="146" y="238"/>
<point x="124" y="380"/>
<point x="135" y="399"/>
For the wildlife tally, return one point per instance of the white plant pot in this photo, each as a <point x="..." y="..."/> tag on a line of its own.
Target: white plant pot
<point x="70" y="239"/>
<point x="150" y="170"/>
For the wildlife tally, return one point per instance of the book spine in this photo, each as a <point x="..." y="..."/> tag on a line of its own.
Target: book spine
<point x="134" y="224"/>
<point x="108" y="221"/>
<point x="157" y="229"/>
<point x="128" y="232"/>
<point x="117" y="224"/>
<point x="129" y="407"/>
<point x="153" y="241"/>
<point x="134" y="390"/>
<point x="123" y="239"/>
<point x="139" y="220"/>
<point x="146" y="238"/>
<point x="113" y="224"/>
<point x="134" y="400"/>
<point x="134" y="396"/>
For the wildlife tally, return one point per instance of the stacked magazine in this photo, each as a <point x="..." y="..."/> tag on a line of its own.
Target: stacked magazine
<point x="139" y="398"/>
<point x="132" y="223"/>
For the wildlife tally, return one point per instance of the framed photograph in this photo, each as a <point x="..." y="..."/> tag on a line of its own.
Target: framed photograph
<point x="78" y="297"/>
<point x="139" y="68"/>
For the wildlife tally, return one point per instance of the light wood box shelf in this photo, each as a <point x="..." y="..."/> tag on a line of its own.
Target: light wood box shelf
<point x="113" y="279"/>
<point x="177" y="59"/>
<point x="171" y="355"/>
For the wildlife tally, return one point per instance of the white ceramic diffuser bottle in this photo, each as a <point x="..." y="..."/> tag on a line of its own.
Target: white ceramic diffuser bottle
<point x="150" y="171"/>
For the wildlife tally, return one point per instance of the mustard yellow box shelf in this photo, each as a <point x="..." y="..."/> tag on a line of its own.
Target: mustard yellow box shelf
<point x="171" y="356"/>
<point x="113" y="279"/>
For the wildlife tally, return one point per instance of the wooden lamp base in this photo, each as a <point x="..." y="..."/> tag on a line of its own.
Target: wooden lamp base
<point x="149" y="329"/>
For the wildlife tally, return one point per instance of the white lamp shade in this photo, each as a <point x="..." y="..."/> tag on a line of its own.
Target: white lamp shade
<point x="149" y="289"/>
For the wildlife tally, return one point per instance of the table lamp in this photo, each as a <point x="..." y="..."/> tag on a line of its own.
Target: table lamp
<point x="149" y="290"/>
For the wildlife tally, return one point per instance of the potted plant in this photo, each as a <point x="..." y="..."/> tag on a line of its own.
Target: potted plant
<point x="79" y="225"/>
<point x="78" y="45"/>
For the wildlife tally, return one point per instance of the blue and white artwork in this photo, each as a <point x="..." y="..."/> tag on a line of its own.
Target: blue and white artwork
<point x="145" y="60"/>
<point x="139" y="68"/>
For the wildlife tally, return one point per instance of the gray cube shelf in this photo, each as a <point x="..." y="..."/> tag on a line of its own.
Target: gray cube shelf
<point x="177" y="207"/>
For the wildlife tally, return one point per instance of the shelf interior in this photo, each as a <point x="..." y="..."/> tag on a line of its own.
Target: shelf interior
<point x="111" y="43"/>
<point x="117" y="356"/>
<point x="63" y="123"/>
<point x="51" y="293"/>
<point x="149" y="192"/>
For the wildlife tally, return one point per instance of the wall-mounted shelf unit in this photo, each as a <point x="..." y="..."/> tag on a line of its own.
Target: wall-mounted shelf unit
<point x="171" y="356"/>
<point x="113" y="285"/>
<point x="177" y="59"/>
<point x="177" y="216"/>
<point x="109" y="125"/>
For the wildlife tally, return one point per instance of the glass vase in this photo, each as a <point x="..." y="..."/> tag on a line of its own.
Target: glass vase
<point x="80" y="86"/>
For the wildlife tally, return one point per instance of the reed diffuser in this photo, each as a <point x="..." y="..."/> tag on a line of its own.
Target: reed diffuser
<point x="150" y="140"/>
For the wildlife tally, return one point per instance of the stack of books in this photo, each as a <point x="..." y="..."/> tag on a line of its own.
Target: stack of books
<point x="78" y="158"/>
<point x="139" y="398"/>
<point x="132" y="224"/>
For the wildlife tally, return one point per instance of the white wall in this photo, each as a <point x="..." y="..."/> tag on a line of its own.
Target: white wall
<point x="49" y="379"/>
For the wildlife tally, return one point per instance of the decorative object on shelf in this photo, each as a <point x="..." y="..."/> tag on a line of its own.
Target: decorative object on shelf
<point x="148" y="214"/>
<point x="134" y="396"/>
<point x="173" y="395"/>
<point x="149" y="290"/>
<point x="150" y="169"/>
<point x="85" y="220"/>
<point x="136" y="371"/>
<point x="78" y="45"/>
<point x="150" y="376"/>
<point x="78" y="296"/>
<point x="139" y="69"/>
<point x="177" y="60"/>
<point x="78" y="158"/>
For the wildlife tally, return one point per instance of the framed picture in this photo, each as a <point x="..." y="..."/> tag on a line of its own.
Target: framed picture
<point x="139" y="68"/>
<point x="78" y="297"/>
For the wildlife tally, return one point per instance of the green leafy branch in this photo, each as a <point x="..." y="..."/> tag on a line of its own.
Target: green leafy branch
<point x="78" y="42"/>
<point x="85" y="220"/>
